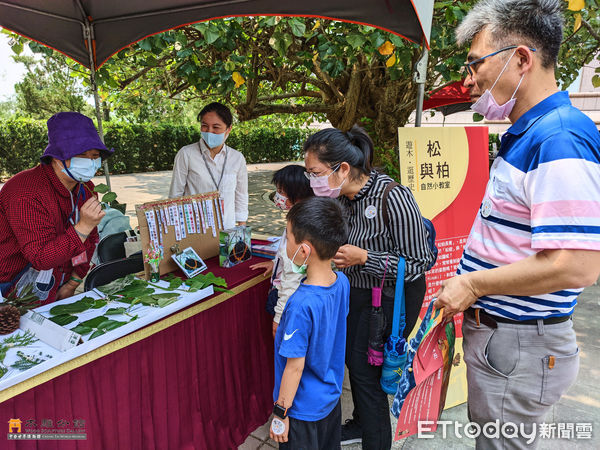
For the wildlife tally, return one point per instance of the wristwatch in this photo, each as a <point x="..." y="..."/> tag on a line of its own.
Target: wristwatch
<point x="279" y="411"/>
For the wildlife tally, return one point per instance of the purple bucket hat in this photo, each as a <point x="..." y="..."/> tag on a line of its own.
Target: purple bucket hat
<point x="70" y="134"/>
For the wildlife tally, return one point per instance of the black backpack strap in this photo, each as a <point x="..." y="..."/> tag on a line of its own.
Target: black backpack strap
<point x="384" y="202"/>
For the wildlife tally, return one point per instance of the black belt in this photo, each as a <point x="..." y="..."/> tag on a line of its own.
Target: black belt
<point x="480" y="316"/>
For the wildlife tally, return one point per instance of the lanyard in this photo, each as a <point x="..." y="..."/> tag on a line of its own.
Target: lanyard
<point x="75" y="207"/>
<point x="210" y="171"/>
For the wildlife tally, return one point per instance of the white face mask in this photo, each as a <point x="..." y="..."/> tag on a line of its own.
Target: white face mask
<point x="487" y="106"/>
<point x="280" y="201"/>
<point x="295" y="267"/>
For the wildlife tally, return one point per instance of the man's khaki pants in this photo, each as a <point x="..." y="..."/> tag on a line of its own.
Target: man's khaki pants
<point x="515" y="373"/>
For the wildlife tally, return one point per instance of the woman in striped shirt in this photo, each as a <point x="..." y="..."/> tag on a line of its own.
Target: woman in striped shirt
<point x="339" y="164"/>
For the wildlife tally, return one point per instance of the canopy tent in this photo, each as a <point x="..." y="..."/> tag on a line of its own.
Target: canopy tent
<point x="449" y="99"/>
<point x="115" y="24"/>
<point x="91" y="31"/>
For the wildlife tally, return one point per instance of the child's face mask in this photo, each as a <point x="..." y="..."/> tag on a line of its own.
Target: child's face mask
<point x="295" y="267"/>
<point x="280" y="201"/>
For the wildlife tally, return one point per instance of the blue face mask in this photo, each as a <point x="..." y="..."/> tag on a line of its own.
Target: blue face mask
<point x="82" y="169"/>
<point x="213" y="140"/>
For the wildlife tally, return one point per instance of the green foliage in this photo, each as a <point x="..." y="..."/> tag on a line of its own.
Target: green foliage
<point x="22" y="142"/>
<point x="145" y="148"/>
<point x="25" y="361"/>
<point x="49" y="87"/>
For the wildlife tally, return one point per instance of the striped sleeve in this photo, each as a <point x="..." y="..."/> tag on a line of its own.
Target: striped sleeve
<point x="408" y="238"/>
<point x="564" y="196"/>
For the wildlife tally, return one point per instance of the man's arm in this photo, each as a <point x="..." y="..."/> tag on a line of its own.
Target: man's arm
<point x="545" y="272"/>
<point x="287" y="391"/>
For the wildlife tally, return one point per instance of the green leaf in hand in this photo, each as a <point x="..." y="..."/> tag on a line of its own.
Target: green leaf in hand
<point x="109" y="197"/>
<point x="101" y="188"/>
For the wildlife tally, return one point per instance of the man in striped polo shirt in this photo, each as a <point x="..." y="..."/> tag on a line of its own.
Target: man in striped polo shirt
<point x="536" y="240"/>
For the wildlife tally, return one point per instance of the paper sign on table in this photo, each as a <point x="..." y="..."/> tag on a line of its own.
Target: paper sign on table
<point x="49" y="332"/>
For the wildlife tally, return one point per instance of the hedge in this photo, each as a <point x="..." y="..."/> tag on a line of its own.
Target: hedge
<point x="145" y="148"/>
<point x="148" y="148"/>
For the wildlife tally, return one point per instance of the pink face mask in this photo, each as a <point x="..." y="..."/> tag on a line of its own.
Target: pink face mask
<point x="487" y="106"/>
<point x="320" y="186"/>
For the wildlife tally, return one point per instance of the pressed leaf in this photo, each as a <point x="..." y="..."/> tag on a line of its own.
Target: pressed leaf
<point x="98" y="304"/>
<point x="220" y="289"/>
<point x="162" y="302"/>
<point x="174" y="282"/>
<point x="105" y="326"/>
<point x="166" y="295"/>
<point x="70" y="308"/>
<point x="63" y="319"/>
<point x="114" y="311"/>
<point x="97" y="333"/>
<point x="95" y="322"/>
<point x="203" y="280"/>
<point x="82" y="330"/>
<point x="115" y="286"/>
<point x="108" y="325"/>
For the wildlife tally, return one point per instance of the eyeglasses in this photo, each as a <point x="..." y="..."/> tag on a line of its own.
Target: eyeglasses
<point x="471" y="67"/>
<point x="311" y="175"/>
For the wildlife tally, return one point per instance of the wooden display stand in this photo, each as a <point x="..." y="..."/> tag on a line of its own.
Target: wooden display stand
<point x="196" y="212"/>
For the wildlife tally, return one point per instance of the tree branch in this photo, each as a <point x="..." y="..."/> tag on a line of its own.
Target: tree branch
<point x="265" y="109"/>
<point x="301" y="93"/>
<point x="593" y="32"/>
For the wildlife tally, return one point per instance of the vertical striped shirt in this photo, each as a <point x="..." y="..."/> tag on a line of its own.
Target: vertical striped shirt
<point x="543" y="193"/>
<point x="405" y="236"/>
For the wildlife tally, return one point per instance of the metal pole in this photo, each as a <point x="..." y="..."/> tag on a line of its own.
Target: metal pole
<point x="419" y="77"/>
<point x="87" y="31"/>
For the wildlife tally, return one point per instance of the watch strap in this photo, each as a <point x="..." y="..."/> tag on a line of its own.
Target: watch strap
<point x="279" y="411"/>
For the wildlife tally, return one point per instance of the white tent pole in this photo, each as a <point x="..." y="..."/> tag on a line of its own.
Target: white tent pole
<point x="87" y="32"/>
<point x="419" y="77"/>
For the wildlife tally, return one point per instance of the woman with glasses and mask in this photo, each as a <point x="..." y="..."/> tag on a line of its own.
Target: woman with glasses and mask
<point x="339" y="164"/>
<point x="211" y="165"/>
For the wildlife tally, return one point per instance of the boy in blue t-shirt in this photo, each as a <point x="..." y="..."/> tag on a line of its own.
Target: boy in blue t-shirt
<point x="311" y="337"/>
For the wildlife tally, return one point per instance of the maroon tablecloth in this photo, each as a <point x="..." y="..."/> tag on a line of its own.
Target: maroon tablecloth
<point x="203" y="383"/>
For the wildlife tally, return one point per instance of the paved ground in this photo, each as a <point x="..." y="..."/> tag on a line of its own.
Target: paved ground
<point x="581" y="404"/>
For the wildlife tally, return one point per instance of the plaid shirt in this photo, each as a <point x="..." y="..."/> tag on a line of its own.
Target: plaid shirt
<point x="34" y="227"/>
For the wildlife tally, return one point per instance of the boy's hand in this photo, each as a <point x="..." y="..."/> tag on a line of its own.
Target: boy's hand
<point x="277" y="427"/>
<point x="350" y="255"/>
<point x="275" y="325"/>
<point x="268" y="265"/>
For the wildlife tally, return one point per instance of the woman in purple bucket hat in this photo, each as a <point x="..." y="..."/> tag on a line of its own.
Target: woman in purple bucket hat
<point x="49" y="214"/>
